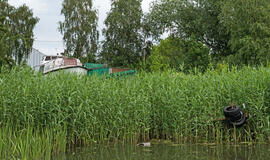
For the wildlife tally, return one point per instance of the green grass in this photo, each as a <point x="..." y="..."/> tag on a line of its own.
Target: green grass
<point x="168" y="105"/>
<point x="30" y="143"/>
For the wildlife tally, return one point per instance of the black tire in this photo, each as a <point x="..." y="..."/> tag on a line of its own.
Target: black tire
<point x="230" y="111"/>
<point x="237" y="117"/>
<point x="240" y="122"/>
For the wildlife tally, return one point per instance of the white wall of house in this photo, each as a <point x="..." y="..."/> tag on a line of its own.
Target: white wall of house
<point x="34" y="59"/>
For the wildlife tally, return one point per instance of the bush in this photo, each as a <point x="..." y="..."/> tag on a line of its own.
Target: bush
<point x="182" y="55"/>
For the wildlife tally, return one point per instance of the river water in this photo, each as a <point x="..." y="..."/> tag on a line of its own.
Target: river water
<point x="169" y="152"/>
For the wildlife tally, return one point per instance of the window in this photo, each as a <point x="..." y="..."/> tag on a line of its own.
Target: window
<point x="47" y="58"/>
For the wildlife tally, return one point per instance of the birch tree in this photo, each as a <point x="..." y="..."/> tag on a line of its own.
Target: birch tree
<point x="79" y="28"/>
<point x="123" y="36"/>
<point x="16" y="37"/>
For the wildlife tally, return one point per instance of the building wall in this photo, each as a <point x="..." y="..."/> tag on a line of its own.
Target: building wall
<point x="34" y="59"/>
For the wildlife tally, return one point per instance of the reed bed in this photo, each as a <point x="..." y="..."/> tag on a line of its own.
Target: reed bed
<point x="168" y="105"/>
<point x="30" y="143"/>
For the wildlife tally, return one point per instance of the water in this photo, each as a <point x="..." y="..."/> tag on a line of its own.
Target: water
<point x="169" y="152"/>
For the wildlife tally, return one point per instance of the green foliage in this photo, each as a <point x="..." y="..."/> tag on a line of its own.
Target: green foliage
<point x="123" y="40"/>
<point x="16" y="28"/>
<point x="79" y="29"/>
<point x="196" y="55"/>
<point x="236" y="31"/>
<point x="168" y="54"/>
<point x="5" y="46"/>
<point x="31" y="143"/>
<point x="165" y="105"/>
<point x="184" y="18"/>
<point x="248" y="22"/>
<point x="182" y="55"/>
<point x="22" y="23"/>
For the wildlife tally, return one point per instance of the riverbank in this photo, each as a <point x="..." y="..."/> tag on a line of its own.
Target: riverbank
<point x="173" y="106"/>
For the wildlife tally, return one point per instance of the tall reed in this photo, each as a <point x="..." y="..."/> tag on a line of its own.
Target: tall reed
<point x="165" y="105"/>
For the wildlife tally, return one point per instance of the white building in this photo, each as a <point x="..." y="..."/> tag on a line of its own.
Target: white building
<point x="34" y="59"/>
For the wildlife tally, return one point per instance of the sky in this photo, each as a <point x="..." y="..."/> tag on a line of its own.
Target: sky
<point x="48" y="39"/>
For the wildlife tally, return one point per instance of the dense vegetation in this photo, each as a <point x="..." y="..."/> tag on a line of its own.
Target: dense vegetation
<point x="79" y="29"/>
<point x="235" y="31"/>
<point x="76" y="110"/>
<point x="16" y="33"/>
<point x="216" y="31"/>
<point x="198" y="32"/>
<point x="190" y="82"/>
<point x="123" y="41"/>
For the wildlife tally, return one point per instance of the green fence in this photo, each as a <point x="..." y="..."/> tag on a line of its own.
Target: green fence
<point x="99" y="71"/>
<point x="102" y="70"/>
<point x="94" y="65"/>
<point x="121" y="74"/>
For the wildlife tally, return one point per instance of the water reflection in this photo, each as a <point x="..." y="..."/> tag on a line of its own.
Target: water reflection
<point x="169" y="152"/>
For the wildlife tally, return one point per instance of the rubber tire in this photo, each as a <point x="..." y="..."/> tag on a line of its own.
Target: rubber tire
<point x="240" y="122"/>
<point x="237" y="117"/>
<point x="229" y="112"/>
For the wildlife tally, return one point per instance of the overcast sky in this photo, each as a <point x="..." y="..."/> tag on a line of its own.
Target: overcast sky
<point x="48" y="40"/>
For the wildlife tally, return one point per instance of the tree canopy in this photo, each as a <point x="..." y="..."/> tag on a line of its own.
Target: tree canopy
<point x="236" y="31"/>
<point x="79" y="28"/>
<point x="233" y="31"/>
<point x="248" y="22"/>
<point x="179" y="54"/>
<point x="16" y="27"/>
<point x="123" y="33"/>
<point x="184" y="18"/>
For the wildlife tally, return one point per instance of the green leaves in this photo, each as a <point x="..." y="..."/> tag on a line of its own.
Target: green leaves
<point x="182" y="55"/>
<point x="236" y="31"/>
<point x="123" y="39"/>
<point x="79" y="29"/>
<point x="16" y="33"/>
<point x="184" y="18"/>
<point x="248" y="23"/>
<point x="22" y="24"/>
